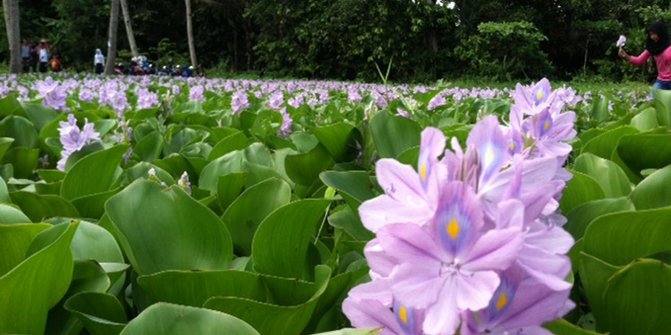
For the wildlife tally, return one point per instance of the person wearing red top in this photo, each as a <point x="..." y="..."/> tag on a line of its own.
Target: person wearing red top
<point x="657" y="46"/>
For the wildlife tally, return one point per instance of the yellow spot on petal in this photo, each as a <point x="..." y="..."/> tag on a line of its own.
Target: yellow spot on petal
<point x="546" y="125"/>
<point x="422" y="171"/>
<point x="512" y="146"/>
<point x="502" y="301"/>
<point x="453" y="229"/>
<point x="539" y="95"/>
<point x="403" y="315"/>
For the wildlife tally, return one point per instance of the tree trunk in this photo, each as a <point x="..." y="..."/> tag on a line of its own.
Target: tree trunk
<point x="112" y="37"/>
<point x="129" y="28"/>
<point x="189" y="32"/>
<point x="11" y="11"/>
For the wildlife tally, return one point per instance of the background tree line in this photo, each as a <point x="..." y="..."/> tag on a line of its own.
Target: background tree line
<point x="345" y="39"/>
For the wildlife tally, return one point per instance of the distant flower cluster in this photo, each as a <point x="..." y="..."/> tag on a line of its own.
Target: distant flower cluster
<point x="470" y="241"/>
<point x="74" y="139"/>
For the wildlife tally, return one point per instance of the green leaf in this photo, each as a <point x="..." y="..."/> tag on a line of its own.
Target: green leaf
<point x="662" y="103"/>
<point x="354" y="186"/>
<point x="101" y="313"/>
<point x="94" y="242"/>
<point x="580" y="189"/>
<point x="594" y="274"/>
<point x="604" y="144"/>
<point x="163" y="318"/>
<point x="40" y="207"/>
<point x="40" y="115"/>
<point x="229" y="188"/>
<point x="272" y="319"/>
<point x="35" y="285"/>
<point x="149" y="148"/>
<point x="9" y="105"/>
<point x="281" y="243"/>
<point x="645" y="151"/>
<point x="11" y="214"/>
<point x="229" y="163"/>
<point x="5" y="144"/>
<point x="393" y="134"/>
<point x="620" y="238"/>
<point x="15" y="240"/>
<point x="611" y="178"/>
<point x="93" y="205"/>
<point x="305" y="168"/>
<point x="246" y="212"/>
<point x="340" y="140"/>
<point x="347" y="220"/>
<point x="352" y="331"/>
<point x="163" y="229"/>
<point x="582" y="215"/>
<point x="638" y="299"/>
<point x="645" y="120"/>
<point x="654" y="190"/>
<point x="232" y="142"/>
<point x="24" y="161"/>
<point x="93" y="174"/>
<point x="21" y="130"/>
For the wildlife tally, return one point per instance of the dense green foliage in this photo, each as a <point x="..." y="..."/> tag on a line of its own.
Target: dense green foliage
<point x="346" y="39"/>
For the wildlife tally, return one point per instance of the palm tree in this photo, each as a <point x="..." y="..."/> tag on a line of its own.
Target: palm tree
<point x="129" y="28"/>
<point x="112" y="36"/>
<point x="189" y="32"/>
<point x="11" y="11"/>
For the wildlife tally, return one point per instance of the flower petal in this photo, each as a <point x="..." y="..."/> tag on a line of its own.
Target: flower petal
<point x="443" y="317"/>
<point x="416" y="285"/>
<point x="495" y="250"/>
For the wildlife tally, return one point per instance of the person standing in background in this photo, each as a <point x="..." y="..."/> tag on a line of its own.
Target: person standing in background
<point x="99" y="61"/>
<point x="43" y="55"/>
<point x="25" y="56"/>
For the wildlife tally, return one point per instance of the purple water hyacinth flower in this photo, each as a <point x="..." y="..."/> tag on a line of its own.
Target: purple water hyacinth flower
<point x="452" y="266"/>
<point x="371" y="305"/>
<point x="196" y="93"/>
<point x="74" y="139"/>
<point x="52" y="92"/>
<point x="436" y="102"/>
<point x="353" y="96"/>
<point x="410" y="196"/>
<point x="86" y="95"/>
<point x="176" y="90"/>
<point x="276" y="100"/>
<point x="287" y="122"/>
<point x="239" y="102"/>
<point x="519" y="306"/>
<point x="146" y="99"/>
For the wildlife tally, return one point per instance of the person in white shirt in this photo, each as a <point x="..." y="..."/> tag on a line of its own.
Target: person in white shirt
<point x="43" y="55"/>
<point x="99" y="61"/>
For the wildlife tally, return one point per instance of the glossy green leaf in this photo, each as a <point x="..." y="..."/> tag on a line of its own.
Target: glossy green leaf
<point x="101" y="313"/>
<point x="340" y="140"/>
<point x="645" y="151"/>
<point x="654" y="191"/>
<point x="580" y="216"/>
<point x="349" y="221"/>
<point x="9" y="105"/>
<point x="354" y="186"/>
<point x="93" y="174"/>
<point x="273" y="319"/>
<point x="229" y="163"/>
<point x="31" y="288"/>
<point x="611" y="178"/>
<point x="163" y="318"/>
<point x="232" y="142"/>
<point x="40" y="115"/>
<point x="40" y="207"/>
<point x="93" y="205"/>
<point x="604" y="144"/>
<point x="594" y="275"/>
<point x="5" y="144"/>
<point x="580" y="189"/>
<point x="21" y="130"/>
<point x="393" y="134"/>
<point x="620" y="238"/>
<point x="94" y="242"/>
<point x="638" y="299"/>
<point x="305" y="168"/>
<point x="281" y="243"/>
<point x="162" y="229"/>
<point x="15" y="240"/>
<point x="564" y="327"/>
<point x="24" y="161"/>
<point x="229" y="188"/>
<point x="645" y="120"/>
<point x="662" y="103"/>
<point x="246" y="212"/>
<point x="149" y="148"/>
<point x="11" y="214"/>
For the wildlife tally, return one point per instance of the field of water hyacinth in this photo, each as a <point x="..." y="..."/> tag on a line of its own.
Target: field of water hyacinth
<point x="154" y="205"/>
